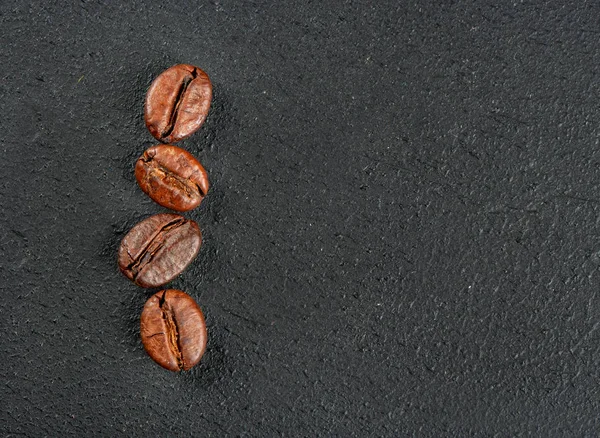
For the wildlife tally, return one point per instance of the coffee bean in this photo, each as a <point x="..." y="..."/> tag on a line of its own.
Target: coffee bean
<point x="173" y="330"/>
<point x="158" y="249"/>
<point x="172" y="177"/>
<point x="177" y="103"/>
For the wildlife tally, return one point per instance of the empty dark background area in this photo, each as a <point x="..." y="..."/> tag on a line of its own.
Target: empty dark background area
<point x="401" y="236"/>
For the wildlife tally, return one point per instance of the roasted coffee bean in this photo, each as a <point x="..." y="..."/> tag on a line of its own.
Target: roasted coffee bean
<point x="173" y="330"/>
<point x="177" y="103"/>
<point x="172" y="177"/>
<point x="158" y="249"/>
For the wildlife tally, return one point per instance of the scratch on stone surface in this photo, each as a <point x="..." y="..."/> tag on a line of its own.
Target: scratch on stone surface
<point x="252" y="321"/>
<point x="228" y="330"/>
<point x="579" y="198"/>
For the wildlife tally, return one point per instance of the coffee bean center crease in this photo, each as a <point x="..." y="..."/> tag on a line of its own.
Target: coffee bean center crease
<point x="152" y="247"/>
<point x="180" y="95"/>
<point x="185" y="183"/>
<point x="172" y="331"/>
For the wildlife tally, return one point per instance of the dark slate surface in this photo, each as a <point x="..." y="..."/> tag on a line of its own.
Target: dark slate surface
<point x="401" y="238"/>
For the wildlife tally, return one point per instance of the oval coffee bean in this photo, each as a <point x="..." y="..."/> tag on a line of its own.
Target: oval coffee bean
<point x="177" y="103"/>
<point x="158" y="249"/>
<point x="173" y="330"/>
<point x="172" y="177"/>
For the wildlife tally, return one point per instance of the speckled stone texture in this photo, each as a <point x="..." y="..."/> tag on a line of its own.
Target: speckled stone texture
<point x="401" y="238"/>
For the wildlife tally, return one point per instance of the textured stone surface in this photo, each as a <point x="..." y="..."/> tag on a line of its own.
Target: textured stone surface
<point x="401" y="236"/>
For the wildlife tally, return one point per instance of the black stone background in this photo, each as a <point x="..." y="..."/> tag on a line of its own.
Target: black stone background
<point x="401" y="238"/>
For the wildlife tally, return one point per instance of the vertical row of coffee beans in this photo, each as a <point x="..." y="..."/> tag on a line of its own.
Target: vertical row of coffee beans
<point x="159" y="248"/>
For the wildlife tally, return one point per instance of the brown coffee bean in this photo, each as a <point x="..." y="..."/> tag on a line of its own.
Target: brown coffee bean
<point x="158" y="249"/>
<point x="173" y="330"/>
<point x="177" y="103"/>
<point x="172" y="177"/>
